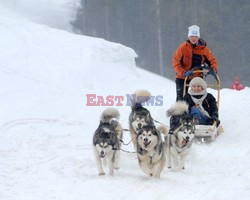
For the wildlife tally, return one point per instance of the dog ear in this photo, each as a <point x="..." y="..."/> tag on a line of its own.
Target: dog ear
<point x="114" y="141"/>
<point x="134" y="115"/>
<point x="113" y="124"/>
<point x="195" y="121"/>
<point x="96" y="138"/>
<point x="156" y="132"/>
<point x="140" y="131"/>
<point x="148" y="118"/>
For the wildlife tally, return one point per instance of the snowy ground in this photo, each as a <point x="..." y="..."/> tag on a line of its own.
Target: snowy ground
<point x="46" y="128"/>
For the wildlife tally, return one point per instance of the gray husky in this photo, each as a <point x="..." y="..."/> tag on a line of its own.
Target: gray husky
<point x="150" y="151"/>
<point x="106" y="141"/>
<point x="180" y="138"/>
<point x="139" y="115"/>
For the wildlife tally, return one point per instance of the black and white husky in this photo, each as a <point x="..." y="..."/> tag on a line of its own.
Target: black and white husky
<point x="106" y="141"/>
<point x="139" y="116"/>
<point x="180" y="138"/>
<point x="150" y="151"/>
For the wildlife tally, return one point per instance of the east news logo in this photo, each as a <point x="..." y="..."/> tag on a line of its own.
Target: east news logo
<point x="113" y="100"/>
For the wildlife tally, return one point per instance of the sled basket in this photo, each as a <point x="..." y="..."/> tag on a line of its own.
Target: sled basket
<point x="206" y="131"/>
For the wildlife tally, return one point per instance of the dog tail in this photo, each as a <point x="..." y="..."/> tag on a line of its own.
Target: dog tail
<point x="163" y="129"/>
<point x="179" y="108"/>
<point x="108" y="114"/>
<point x="139" y="96"/>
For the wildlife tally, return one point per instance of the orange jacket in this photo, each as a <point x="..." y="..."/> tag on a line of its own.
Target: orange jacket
<point x="182" y="60"/>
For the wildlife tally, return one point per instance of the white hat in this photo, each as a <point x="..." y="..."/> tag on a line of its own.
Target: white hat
<point x="194" y="31"/>
<point x="198" y="81"/>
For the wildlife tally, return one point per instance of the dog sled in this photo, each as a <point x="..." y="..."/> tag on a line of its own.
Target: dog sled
<point x="207" y="133"/>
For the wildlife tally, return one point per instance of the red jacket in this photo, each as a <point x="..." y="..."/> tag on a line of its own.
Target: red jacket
<point x="182" y="59"/>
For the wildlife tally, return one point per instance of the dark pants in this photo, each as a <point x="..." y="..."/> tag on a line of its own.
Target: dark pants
<point x="179" y="88"/>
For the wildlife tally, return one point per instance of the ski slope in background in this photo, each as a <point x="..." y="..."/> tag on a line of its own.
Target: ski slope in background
<point x="46" y="128"/>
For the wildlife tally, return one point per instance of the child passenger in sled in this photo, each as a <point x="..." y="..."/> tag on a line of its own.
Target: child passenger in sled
<point x="202" y="105"/>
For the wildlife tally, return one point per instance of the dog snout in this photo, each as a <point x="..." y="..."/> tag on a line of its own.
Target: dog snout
<point x="187" y="138"/>
<point x="139" y="125"/>
<point x="102" y="152"/>
<point x="145" y="139"/>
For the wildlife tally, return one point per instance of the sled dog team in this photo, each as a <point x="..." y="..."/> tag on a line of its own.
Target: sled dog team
<point x="152" y="151"/>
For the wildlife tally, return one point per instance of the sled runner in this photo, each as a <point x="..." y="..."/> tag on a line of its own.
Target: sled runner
<point x="207" y="133"/>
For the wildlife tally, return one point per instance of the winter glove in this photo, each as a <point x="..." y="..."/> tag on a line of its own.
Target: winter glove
<point x="212" y="71"/>
<point x="215" y="119"/>
<point x="209" y="68"/>
<point x="188" y="73"/>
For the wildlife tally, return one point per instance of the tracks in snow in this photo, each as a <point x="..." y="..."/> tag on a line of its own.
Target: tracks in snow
<point x="8" y="125"/>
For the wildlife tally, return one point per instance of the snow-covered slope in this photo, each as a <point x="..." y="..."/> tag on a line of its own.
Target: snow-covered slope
<point x="46" y="128"/>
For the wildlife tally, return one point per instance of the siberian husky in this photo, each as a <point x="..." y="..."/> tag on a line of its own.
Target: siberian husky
<point x="150" y="151"/>
<point x="139" y="115"/>
<point x="180" y="138"/>
<point x="106" y="141"/>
